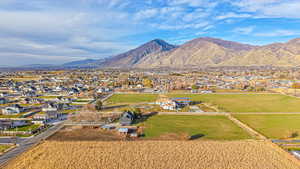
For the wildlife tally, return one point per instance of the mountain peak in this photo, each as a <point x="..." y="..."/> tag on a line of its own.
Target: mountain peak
<point x="133" y="56"/>
<point x="158" y="41"/>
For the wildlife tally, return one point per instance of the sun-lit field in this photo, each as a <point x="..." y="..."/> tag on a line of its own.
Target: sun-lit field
<point x="131" y="98"/>
<point x="248" y="102"/>
<point x="5" y="147"/>
<point x="279" y="126"/>
<point x="224" y="102"/>
<point x="200" y="127"/>
<point x="155" y="154"/>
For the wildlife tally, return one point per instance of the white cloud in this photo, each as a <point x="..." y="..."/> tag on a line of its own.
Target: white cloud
<point x="182" y="26"/>
<point x="278" y="33"/>
<point x="193" y="3"/>
<point x="270" y="8"/>
<point x="65" y="34"/>
<point x="232" y="15"/>
<point x="197" y="14"/>
<point x="145" y="14"/>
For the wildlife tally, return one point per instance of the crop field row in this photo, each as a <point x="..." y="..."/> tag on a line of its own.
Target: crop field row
<point x="155" y="154"/>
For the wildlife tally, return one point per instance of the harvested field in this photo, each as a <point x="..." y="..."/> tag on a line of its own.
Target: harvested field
<point x="155" y="154"/>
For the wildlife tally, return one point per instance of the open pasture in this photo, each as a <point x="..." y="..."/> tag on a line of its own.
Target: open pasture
<point x="247" y="102"/>
<point x="217" y="127"/>
<point x="131" y="98"/>
<point x="275" y="126"/>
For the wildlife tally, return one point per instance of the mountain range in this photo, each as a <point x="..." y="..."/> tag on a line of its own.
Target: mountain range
<point x="201" y="52"/>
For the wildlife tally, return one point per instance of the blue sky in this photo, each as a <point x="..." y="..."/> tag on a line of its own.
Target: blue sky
<point x="58" y="31"/>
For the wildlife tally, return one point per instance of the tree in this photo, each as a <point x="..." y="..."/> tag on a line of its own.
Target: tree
<point x="194" y="87"/>
<point x="136" y="111"/>
<point x="98" y="105"/>
<point x="296" y="85"/>
<point x="147" y="83"/>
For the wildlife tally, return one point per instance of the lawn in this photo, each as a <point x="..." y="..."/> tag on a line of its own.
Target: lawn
<point x="248" y="102"/>
<point x="26" y="128"/>
<point x="131" y="98"/>
<point x="275" y="126"/>
<point x="211" y="127"/>
<point x="4" y="147"/>
<point x="70" y="111"/>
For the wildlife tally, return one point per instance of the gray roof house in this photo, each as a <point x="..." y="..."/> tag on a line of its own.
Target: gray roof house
<point x="127" y="118"/>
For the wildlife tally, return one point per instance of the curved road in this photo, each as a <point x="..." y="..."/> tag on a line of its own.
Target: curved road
<point x="23" y="146"/>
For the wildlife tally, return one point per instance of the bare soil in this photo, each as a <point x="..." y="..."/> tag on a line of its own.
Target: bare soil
<point x="77" y="133"/>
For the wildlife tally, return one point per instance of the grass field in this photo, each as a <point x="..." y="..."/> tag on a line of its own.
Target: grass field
<point x="3" y="148"/>
<point x="248" y="102"/>
<point x="211" y="127"/>
<point x="155" y="155"/>
<point x="276" y="126"/>
<point x="224" y="102"/>
<point x="131" y="98"/>
<point x="26" y="128"/>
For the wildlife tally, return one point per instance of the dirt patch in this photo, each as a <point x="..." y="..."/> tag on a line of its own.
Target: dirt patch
<point x="171" y="136"/>
<point x="78" y="133"/>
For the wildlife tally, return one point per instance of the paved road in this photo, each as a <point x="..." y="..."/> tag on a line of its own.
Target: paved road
<point x="70" y="123"/>
<point x="285" y="141"/>
<point x="10" y="140"/>
<point x="28" y="144"/>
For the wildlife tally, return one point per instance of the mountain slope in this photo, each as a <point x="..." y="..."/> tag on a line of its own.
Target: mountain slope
<point x="203" y="52"/>
<point x="197" y="53"/>
<point x="277" y="54"/>
<point x="132" y="57"/>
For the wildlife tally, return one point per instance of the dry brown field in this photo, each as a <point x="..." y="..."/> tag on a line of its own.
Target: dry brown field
<point x="78" y="133"/>
<point x="249" y="154"/>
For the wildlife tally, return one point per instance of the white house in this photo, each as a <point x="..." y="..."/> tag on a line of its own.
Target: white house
<point x="11" y="110"/>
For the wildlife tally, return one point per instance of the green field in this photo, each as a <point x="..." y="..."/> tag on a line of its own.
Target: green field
<point x="247" y="102"/>
<point x="3" y="148"/>
<point x="211" y="127"/>
<point x="224" y="102"/>
<point x="131" y="98"/>
<point x="26" y="128"/>
<point x="275" y="126"/>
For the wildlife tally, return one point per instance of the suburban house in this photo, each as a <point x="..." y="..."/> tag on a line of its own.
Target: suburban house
<point x="128" y="131"/>
<point x="13" y="109"/>
<point x="4" y="94"/>
<point x="12" y="123"/>
<point x="183" y="101"/>
<point x="3" y="100"/>
<point x="46" y="116"/>
<point x="173" y="103"/>
<point x="127" y="118"/>
<point x="48" y="113"/>
<point x="167" y="103"/>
